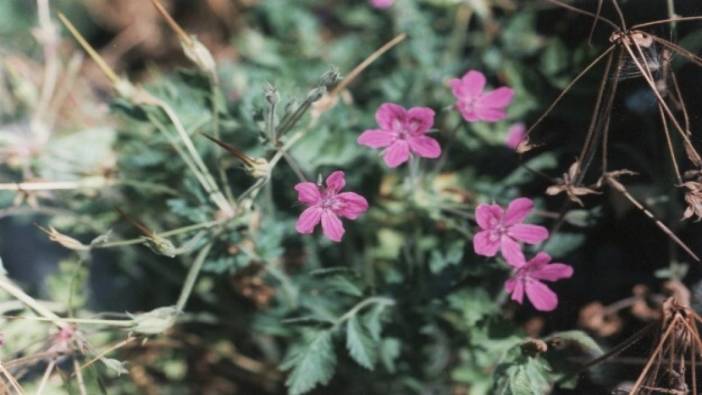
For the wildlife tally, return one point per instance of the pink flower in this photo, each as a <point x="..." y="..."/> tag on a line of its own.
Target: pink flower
<point x="515" y="135"/>
<point x="327" y="205"/>
<point x="529" y="276"/>
<point x="503" y="229"/>
<point x="477" y="105"/>
<point x="402" y="133"/>
<point x="382" y="3"/>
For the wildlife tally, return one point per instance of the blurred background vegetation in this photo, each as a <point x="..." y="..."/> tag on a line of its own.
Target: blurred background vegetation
<point x="402" y="305"/>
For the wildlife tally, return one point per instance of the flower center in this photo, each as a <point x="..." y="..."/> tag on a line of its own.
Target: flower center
<point x="497" y="230"/>
<point x="330" y="202"/>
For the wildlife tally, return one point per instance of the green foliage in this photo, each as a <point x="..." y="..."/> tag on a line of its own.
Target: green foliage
<point x="312" y="363"/>
<point x="402" y="304"/>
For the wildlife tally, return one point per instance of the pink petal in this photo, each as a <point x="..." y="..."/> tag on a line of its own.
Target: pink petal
<point x="539" y="260"/>
<point x="308" y="220"/>
<point x="499" y="98"/>
<point x="531" y="234"/>
<point x="517" y="211"/>
<point x="492" y="106"/>
<point x="420" y="119"/>
<point x="332" y="226"/>
<point x="382" y="4"/>
<point x="376" y="138"/>
<point x="396" y="154"/>
<point x="482" y="245"/>
<point x="553" y="272"/>
<point x="515" y="135"/>
<point x="541" y="296"/>
<point x="336" y="181"/>
<point x="308" y="193"/>
<point x="470" y="86"/>
<point x="467" y="110"/>
<point x="488" y="215"/>
<point x="512" y="252"/>
<point x="489" y="114"/>
<point x="425" y="147"/>
<point x="390" y="115"/>
<point x="353" y="205"/>
<point x="515" y="286"/>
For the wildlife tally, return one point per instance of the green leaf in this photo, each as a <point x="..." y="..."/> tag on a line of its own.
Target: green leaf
<point x="560" y="244"/>
<point x="312" y="364"/>
<point x="526" y="378"/>
<point x="575" y="340"/>
<point x="372" y="320"/>
<point x="361" y="346"/>
<point x="389" y="351"/>
<point x="453" y="256"/>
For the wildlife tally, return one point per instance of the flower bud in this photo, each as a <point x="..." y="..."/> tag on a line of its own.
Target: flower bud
<point x="199" y="54"/>
<point x="155" y="321"/>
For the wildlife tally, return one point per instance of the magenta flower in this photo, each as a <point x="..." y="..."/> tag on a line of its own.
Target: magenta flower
<point x="503" y="230"/>
<point x="477" y="105"/>
<point x="327" y="205"/>
<point x="402" y="133"/>
<point x="515" y="135"/>
<point x="529" y="276"/>
<point x="382" y="4"/>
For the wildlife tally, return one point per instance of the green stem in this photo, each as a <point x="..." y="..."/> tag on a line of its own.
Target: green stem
<point x="360" y="305"/>
<point x="214" y="89"/>
<point x="173" y="232"/>
<point x="212" y="189"/>
<point x="8" y="286"/>
<point x="192" y="277"/>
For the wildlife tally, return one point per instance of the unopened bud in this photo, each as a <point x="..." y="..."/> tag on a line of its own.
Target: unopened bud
<point x="161" y="246"/>
<point x="199" y="54"/>
<point x="258" y="167"/>
<point x="330" y="78"/>
<point x="155" y="321"/>
<point x="66" y="241"/>
<point x="271" y="94"/>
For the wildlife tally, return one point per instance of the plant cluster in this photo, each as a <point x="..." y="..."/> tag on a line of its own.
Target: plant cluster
<point x="187" y="202"/>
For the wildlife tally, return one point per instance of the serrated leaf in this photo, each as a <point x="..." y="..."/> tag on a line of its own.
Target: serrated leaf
<point x="372" y="320"/>
<point x="343" y="284"/>
<point x="360" y="345"/>
<point x="389" y="351"/>
<point x="312" y="364"/>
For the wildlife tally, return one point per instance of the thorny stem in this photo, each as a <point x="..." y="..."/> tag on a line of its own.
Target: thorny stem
<point x="192" y="277"/>
<point x="360" y="305"/>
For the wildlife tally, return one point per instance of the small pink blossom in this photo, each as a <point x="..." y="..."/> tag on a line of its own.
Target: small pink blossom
<point x="327" y="204"/>
<point x="515" y="135"/>
<point x="382" y="4"/>
<point x="474" y="103"/>
<point x="503" y="230"/>
<point x="402" y="133"/>
<point x="529" y="276"/>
